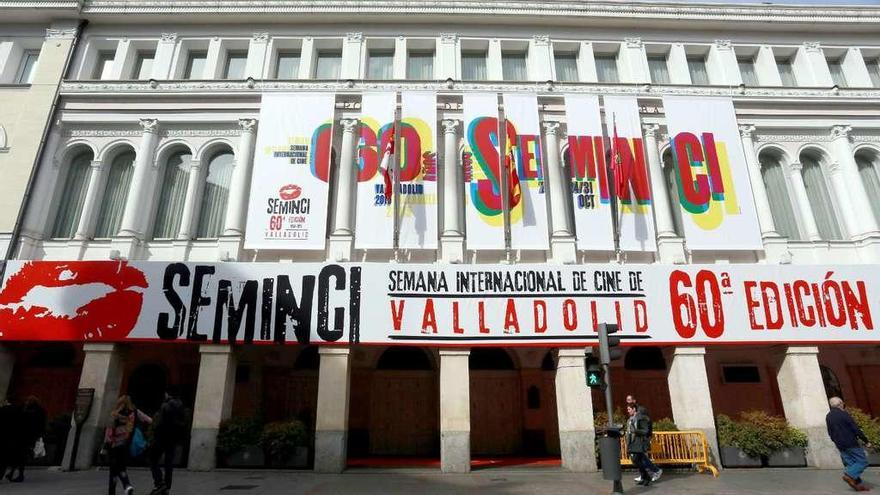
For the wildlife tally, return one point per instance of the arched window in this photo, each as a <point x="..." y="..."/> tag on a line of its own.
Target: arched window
<point x="115" y="194"/>
<point x="212" y="213"/>
<point x="171" y="199"/>
<point x="73" y="195"/>
<point x="644" y="358"/>
<point x="490" y="358"/>
<point x="404" y="358"/>
<point x="869" y="170"/>
<point x="777" y="194"/>
<point x="672" y="187"/>
<point x="820" y="200"/>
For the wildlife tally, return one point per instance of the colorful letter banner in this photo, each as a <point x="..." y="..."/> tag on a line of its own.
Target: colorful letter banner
<point x="715" y="195"/>
<point x="636" y="209"/>
<point x="528" y="203"/>
<point x="437" y="305"/>
<point x="289" y="186"/>
<point x="484" y="211"/>
<point x="374" y="227"/>
<point x="589" y="177"/>
<point x="418" y="172"/>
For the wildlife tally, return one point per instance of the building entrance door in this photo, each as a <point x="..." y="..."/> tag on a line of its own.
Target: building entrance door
<point x="403" y="413"/>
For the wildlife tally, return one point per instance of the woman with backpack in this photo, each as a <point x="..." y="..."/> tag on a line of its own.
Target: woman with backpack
<point x="124" y="431"/>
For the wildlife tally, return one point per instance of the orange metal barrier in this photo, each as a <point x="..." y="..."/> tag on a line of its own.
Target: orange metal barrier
<point x="676" y="447"/>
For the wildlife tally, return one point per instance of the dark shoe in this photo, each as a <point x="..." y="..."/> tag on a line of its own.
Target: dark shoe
<point x="645" y="482"/>
<point x="17" y="479"/>
<point x="851" y="482"/>
<point x="862" y="488"/>
<point x="159" y="490"/>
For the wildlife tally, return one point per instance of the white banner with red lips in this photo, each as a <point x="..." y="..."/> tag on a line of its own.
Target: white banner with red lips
<point x="636" y="207"/>
<point x="289" y="186"/>
<point x="418" y="172"/>
<point x="528" y="209"/>
<point x="437" y="305"/>
<point x="483" y="207"/>
<point x="715" y="194"/>
<point x="589" y="177"/>
<point x="374" y="227"/>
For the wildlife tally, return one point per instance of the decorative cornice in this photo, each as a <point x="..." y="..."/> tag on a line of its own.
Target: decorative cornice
<point x="247" y="125"/>
<point x="201" y="132"/>
<point x="60" y="34"/>
<point x="112" y="133"/>
<point x="528" y="9"/>
<point x="792" y="138"/>
<point x="450" y="126"/>
<point x="633" y="42"/>
<point x="840" y="131"/>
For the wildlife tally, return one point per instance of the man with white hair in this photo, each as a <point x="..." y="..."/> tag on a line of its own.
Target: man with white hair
<point x="845" y="434"/>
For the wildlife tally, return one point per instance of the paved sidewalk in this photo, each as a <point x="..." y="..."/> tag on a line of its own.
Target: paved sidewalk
<point x="429" y="482"/>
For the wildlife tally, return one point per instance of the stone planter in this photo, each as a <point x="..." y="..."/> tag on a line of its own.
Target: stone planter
<point x="249" y="457"/>
<point x="733" y="457"/>
<point x="790" y="457"/>
<point x="299" y="460"/>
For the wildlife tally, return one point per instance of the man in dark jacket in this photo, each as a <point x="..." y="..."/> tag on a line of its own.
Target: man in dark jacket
<point x="845" y="434"/>
<point x="638" y="442"/>
<point x="169" y="429"/>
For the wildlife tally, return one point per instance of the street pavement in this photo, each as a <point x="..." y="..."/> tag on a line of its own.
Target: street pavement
<point x="494" y="481"/>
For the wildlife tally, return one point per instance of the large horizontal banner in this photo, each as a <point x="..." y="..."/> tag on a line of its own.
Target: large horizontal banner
<point x="290" y="182"/>
<point x="534" y="305"/>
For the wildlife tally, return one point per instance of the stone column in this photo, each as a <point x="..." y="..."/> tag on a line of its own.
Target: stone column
<point x="162" y="68"/>
<point x="452" y="240"/>
<point x="135" y="211"/>
<point x="193" y="188"/>
<point x="854" y="187"/>
<point x="762" y="204"/>
<point x="36" y="225"/>
<point x="239" y="188"/>
<point x="557" y="181"/>
<point x="803" y="398"/>
<point x="690" y="395"/>
<point x="331" y="420"/>
<point x="7" y="365"/>
<point x="662" y="205"/>
<point x="102" y="371"/>
<point x="455" y="411"/>
<point x="843" y="191"/>
<point x="803" y="202"/>
<point x="346" y="177"/>
<point x="214" y="395"/>
<point x="90" y="206"/>
<point x="574" y="407"/>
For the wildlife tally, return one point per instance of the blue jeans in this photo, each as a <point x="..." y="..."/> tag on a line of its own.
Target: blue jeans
<point x="854" y="462"/>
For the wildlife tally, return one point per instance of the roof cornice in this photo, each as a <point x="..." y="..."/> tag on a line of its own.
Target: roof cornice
<point x="672" y="11"/>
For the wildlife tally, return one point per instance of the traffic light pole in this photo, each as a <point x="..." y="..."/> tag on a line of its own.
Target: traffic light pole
<point x="617" y="483"/>
<point x="609" y="445"/>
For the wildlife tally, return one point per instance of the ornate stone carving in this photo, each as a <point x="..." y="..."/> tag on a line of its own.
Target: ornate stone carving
<point x="834" y="167"/>
<point x="551" y="128"/>
<point x="201" y="132"/>
<point x="541" y="39"/>
<point x="633" y="42"/>
<point x="448" y="38"/>
<point x="150" y="125"/>
<point x="354" y="37"/>
<point x="722" y="44"/>
<point x="96" y="164"/>
<point x="247" y="125"/>
<point x="795" y="167"/>
<point x="840" y="131"/>
<point x="812" y="46"/>
<point x="60" y="34"/>
<point x="168" y="38"/>
<point x="450" y="126"/>
<point x="260" y="37"/>
<point x="792" y="138"/>
<point x="80" y="133"/>
<point x="651" y="130"/>
<point x="349" y="125"/>
<point x="746" y="131"/>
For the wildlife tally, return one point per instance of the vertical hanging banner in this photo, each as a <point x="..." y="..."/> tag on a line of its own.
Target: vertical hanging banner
<point x="714" y="191"/>
<point x="589" y="176"/>
<point x="289" y="188"/>
<point x="374" y="228"/>
<point x="418" y="171"/>
<point x="528" y="203"/>
<point x="636" y="209"/>
<point x="484" y="213"/>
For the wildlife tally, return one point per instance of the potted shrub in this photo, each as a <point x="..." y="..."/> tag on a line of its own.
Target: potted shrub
<point x="238" y="443"/>
<point x="284" y="443"/>
<point x="738" y="443"/>
<point x="665" y="424"/>
<point x="871" y="428"/>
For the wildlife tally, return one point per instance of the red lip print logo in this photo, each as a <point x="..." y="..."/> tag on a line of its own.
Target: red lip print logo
<point x="290" y="191"/>
<point x="79" y="300"/>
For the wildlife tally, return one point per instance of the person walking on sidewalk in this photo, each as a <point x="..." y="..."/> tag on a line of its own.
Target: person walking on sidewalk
<point x="655" y="471"/>
<point x="117" y="441"/>
<point x="638" y="442"/>
<point x="30" y="428"/>
<point x="169" y="428"/>
<point x="845" y="434"/>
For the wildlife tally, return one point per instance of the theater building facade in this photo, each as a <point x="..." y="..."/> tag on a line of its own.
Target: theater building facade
<point x="394" y="222"/>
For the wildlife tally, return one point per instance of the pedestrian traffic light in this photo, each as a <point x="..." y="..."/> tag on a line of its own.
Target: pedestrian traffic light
<point x="595" y="378"/>
<point x="609" y="347"/>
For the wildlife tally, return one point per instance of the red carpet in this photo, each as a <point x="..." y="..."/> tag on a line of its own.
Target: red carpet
<point x="429" y="462"/>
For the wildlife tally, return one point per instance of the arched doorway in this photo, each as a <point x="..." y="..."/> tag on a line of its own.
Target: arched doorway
<point x="147" y="385"/>
<point x="292" y="393"/>
<point x="496" y="403"/>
